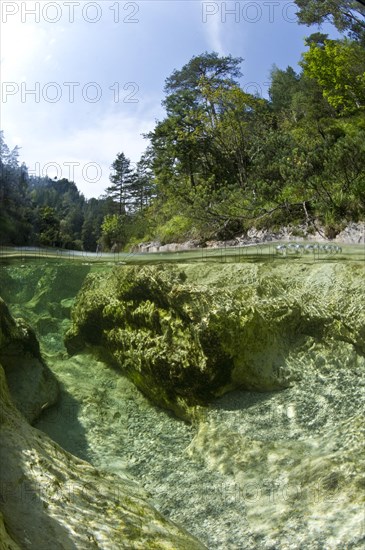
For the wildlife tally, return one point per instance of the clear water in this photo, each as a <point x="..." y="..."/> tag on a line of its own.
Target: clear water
<point x="264" y="470"/>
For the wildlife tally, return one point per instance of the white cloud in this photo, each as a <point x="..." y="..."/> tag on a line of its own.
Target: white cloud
<point x="20" y="44"/>
<point x="92" y="149"/>
<point x="212" y="24"/>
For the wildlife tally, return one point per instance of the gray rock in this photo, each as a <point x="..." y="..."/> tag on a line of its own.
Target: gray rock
<point x="354" y="233"/>
<point x="51" y="499"/>
<point x="32" y="384"/>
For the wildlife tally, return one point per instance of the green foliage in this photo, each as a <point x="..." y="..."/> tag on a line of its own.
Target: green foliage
<point x="221" y="160"/>
<point x="227" y="160"/>
<point x="49" y="225"/>
<point x="209" y="68"/>
<point x="121" y="179"/>
<point x="46" y="212"/>
<point x="346" y="15"/>
<point x="114" y="231"/>
<point x="284" y="84"/>
<point x="339" y="68"/>
<point x="177" y="229"/>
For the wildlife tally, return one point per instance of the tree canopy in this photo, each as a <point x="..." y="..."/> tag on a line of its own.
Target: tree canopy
<point x="221" y="160"/>
<point x="348" y="16"/>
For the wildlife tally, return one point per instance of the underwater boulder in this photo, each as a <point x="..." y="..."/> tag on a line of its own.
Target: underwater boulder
<point x="185" y="337"/>
<point x="147" y="322"/>
<point x="51" y="499"/>
<point x="32" y="384"/>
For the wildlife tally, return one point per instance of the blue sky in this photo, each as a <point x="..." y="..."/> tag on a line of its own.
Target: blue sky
<point x="82" y="81"/>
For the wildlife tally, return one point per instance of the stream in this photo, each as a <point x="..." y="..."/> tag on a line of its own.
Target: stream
<point x="262" y="470"/>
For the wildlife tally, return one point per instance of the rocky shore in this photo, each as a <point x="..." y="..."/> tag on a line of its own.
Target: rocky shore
<point x="354" y="233"/>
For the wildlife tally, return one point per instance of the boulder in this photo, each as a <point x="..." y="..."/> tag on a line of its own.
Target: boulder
<point x="148" y="323"/>
<point x="32" y="384"/>
<point x="51" y="499"/>
<point x="183" y="341"/>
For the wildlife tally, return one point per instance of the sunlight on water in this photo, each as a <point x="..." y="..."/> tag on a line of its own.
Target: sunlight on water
<point x="279" y="469"/>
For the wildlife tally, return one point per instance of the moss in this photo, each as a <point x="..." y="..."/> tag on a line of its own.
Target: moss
<point x="182" y="342"/>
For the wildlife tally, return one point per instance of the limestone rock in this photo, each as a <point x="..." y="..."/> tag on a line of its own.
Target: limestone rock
<point x="144" y="318"/>
<point x="6" y="542"/>
<point x="183" y="342"/>
<point x="32" y="384"/>
<point x="51" y="499"/>
<point x="282" y="482"/>
<point x="354" y="233"/>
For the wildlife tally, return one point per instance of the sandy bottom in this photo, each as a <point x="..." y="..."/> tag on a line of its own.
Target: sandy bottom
<point x="265" y="470"/>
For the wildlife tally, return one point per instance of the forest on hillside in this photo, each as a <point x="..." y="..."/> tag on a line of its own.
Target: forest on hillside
<point x="222" y="160"/>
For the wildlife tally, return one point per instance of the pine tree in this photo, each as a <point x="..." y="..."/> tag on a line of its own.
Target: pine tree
<point x="142" y="185"/>
<point x="121" y="179"/>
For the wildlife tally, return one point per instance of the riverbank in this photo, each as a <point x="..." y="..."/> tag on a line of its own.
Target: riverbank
<point x="354" y="233"/>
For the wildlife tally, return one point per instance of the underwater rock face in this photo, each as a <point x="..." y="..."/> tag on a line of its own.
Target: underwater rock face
<point x="277" y="469"/>
<point x="51" y="499"/>
<point x="6" y="543"/>
<point x="149" y="323"/>
<point x="185" y="337"/>
<point x="32" y="384"/>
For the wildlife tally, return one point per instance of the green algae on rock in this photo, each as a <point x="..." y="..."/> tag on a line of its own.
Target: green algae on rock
<point x="183" y="341"/>
<point x="31" y="382"/>
<point x="147" y="320"/>
<point x="43" y="294"/>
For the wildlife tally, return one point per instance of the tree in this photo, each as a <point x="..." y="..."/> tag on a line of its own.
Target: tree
<point x="341" y="187"/>
<point x="182" y="142"/>
<point x="236" y="131"/>
<point x="16" y="212"/>
<point x="339" y="68"/>
<point x="348" y="16"/>
<point x="113" y="231"/>
<point x="49" y="226"/>
<point x="121" y="179"/>
<point x="183" y="139"/>
<point x="142" y="183"/>
<point x="207" y="67"/>
<point x="284" y="84"/>
<point x="94" y="213"/>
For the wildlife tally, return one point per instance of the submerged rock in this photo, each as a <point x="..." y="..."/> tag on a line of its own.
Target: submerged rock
<point x="32" y="384"/>
<point x="51" y="499"/>
<point x="183" y="341"/>
<point x="42" y="294"/>
<point x="148" y="322"/>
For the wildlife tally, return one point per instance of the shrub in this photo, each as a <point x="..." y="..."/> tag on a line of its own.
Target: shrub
<point x="177" y="229"/>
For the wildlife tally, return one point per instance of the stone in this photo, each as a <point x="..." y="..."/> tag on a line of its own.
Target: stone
<point x="51" y="499"/>
<point x="285" y="481"/>
<point x="6" y="542"/>
<point x="185" y="337"/>
<point x="354" y="233"/>
<point x="143" y="319"/>
<point x="31" y="382"/>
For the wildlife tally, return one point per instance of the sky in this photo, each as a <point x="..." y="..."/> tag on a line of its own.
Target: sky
<point x="82" y="81"/>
